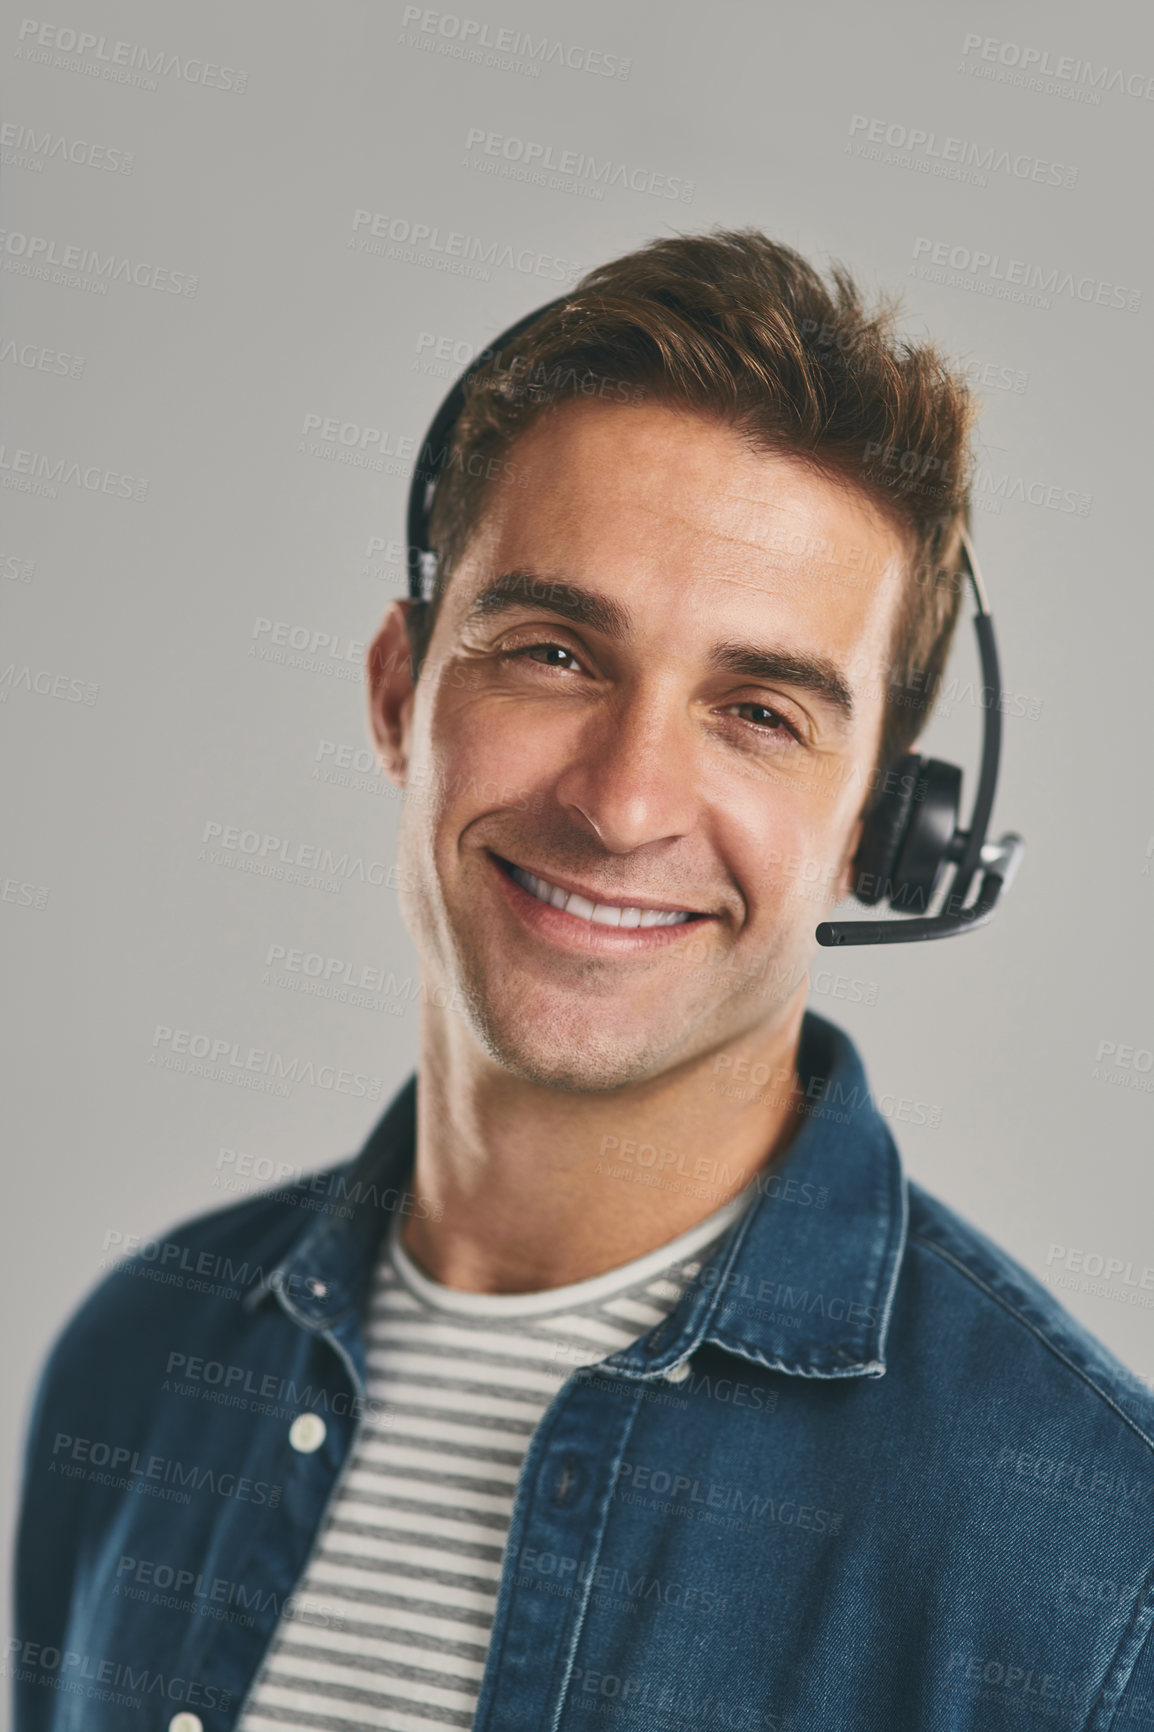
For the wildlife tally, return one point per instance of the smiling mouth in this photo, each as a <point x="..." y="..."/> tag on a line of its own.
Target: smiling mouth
<point x="596" y="913"/>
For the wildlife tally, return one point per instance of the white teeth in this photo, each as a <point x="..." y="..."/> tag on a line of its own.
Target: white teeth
<point x="597" y="913"/>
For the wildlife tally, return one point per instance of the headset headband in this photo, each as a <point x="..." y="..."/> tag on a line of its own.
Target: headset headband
<point x="434" y="452"/>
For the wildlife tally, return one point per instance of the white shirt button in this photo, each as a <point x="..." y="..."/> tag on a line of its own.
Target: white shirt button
<point x="306" y="1433"/>
<point x="678" y="1373"/>
<point x="185" y="1722"/>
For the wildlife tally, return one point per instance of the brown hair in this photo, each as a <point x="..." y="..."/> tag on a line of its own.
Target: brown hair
<point x="735" y="326"/>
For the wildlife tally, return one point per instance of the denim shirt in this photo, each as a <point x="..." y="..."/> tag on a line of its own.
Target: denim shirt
<point x="867" y="1474"/>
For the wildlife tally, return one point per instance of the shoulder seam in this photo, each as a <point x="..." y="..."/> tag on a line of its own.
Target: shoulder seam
<point x="1050" y="1346"/>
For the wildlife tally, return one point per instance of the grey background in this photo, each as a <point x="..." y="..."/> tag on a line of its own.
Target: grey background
<point x="113" y="921"/>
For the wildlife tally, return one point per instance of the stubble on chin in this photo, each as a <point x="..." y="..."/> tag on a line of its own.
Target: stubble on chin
<point x="552" y="1049"/>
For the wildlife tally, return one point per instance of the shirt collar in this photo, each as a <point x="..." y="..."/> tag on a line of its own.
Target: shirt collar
<point x="325" y="1278"/>
<point x="802" y="1283"/>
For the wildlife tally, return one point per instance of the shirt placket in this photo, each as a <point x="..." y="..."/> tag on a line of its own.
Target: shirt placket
<point x="322" y="1451"/>
<point x="554" y="1545"/>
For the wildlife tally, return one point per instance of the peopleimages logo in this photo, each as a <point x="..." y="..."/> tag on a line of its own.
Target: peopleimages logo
<point x="38" y="358"/>
<point x="130" y="1470"/>
<point x="99" y="1678"/>
<point x="218" y="1056"/>
<point x="41" y="256"/>
<point x="72" y="50"/>
<point x="954" y="158"/>
<point x="572" y="165"/>
<point x="990" y="493"/>
<point x="25" y="147"/>
<point x="189" y="1589"/>
<point x="1017" y="63"/>
<point x="38" y="473"/>
<point x="1018" y="279"/>
<point x="419" y="243"/>
<point x="506" y="48"/>
<point x="282" y="857"/>
<point x="46" y="684"/>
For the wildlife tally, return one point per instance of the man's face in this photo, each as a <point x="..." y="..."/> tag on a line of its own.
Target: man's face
<point x="656" y="681"/>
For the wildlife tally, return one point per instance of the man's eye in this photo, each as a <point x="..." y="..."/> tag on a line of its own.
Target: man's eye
<point x="529" y="651"/>
<point x="766" y="720"/>
<point x="761" y="716"/>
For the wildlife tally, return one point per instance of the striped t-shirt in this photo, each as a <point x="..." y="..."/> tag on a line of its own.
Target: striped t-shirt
<point x="390" y="1624"/>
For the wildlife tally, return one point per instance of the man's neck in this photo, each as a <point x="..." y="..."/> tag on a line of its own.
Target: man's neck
<point x="527" y="1187"/>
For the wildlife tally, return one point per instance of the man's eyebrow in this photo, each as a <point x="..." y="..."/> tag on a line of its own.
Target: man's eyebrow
<point x="600" y="613"/>
<point x="556" y="595"/>
<point x="806" y="673"/>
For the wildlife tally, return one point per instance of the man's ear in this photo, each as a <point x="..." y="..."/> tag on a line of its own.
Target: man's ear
<point x="847" y="877"/>
<point x="391" y="693"/>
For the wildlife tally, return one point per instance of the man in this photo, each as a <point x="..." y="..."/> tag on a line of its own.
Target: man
<point x="622" y="1377"/>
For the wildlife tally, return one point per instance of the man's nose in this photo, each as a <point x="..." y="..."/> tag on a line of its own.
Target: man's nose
<point x="634" y="774"/>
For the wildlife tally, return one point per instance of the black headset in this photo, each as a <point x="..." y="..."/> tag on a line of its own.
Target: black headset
<point x="911" y="833"/>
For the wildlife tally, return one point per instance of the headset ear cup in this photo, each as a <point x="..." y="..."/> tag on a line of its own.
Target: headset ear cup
<point x="925" y="847"/>
<point x="885" y="831"/>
